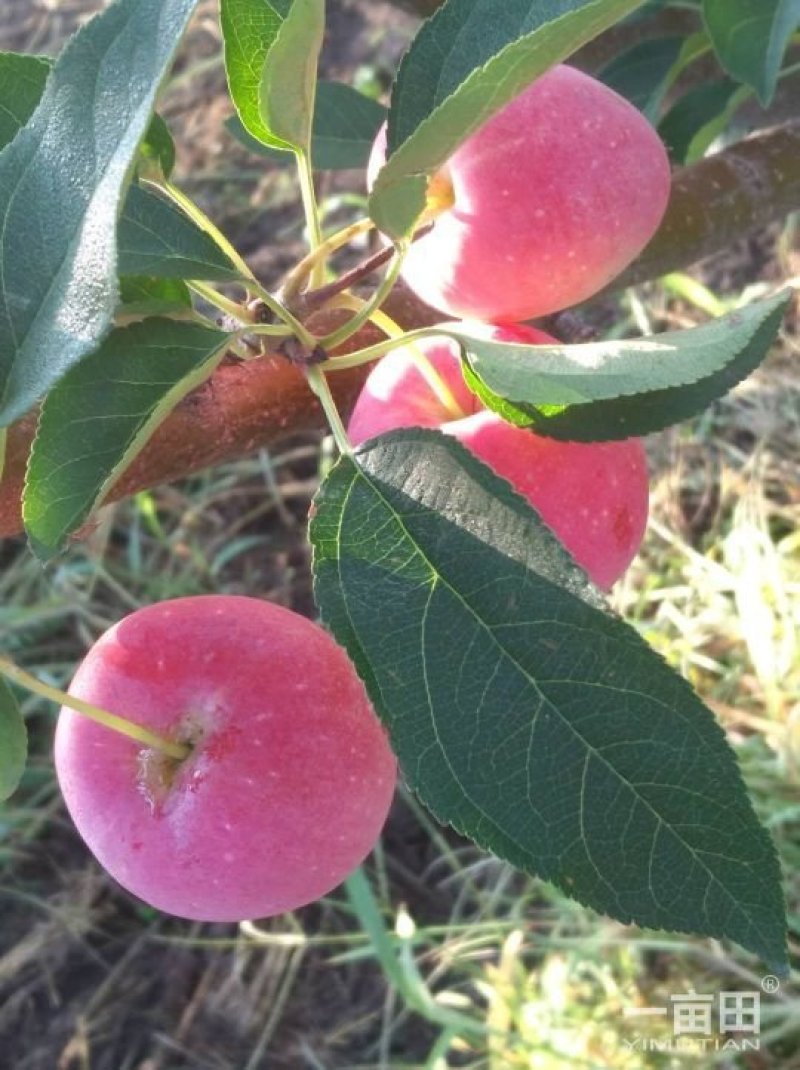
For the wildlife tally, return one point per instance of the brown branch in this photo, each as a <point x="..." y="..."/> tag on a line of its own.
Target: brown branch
<point x="752" y="184"/>
<point x="243" y="406"/>
<point x="312" y="300"/>
<point x="248" y="405"/>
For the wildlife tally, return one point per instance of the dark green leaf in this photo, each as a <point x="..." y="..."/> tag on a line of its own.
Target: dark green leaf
<point x="152" y="297"/>
<point x="345" y="125"/>
<point x="612" y="390"/>
<point x="13" y="743"/>
<point x="271" y="52"/>
<point x="642" y="73"/>
<point x="61" y="184"/>
<point x="467" y="62"/>
<point x="101" y="414"/>
<point x="525" y="714"/>
<point x="699" y="117"/>
<point x="156" y="238"/>
<point x="750" y="38"/>
<point x="22" y="80"/>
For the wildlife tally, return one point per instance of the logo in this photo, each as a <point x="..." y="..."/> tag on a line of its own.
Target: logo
<point x="729" y="1021"/>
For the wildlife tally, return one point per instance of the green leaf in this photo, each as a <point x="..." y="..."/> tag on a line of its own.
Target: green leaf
<point x="152" y="297"/>
<point x="271" y="53"/>
<point x="641" y="74"/>
<point x="156" y="238"/>
<point x="345" y="125"/>
<point x="22" y="80"/>
<point x="61" y="184"/>
<point x="234" y="126"/>
<point x="523" y="713"/>
<point x="645" y="13"/>
<point x="157" y="151"/>
<point x="249" y="30"/>
<point x="467" y="62"/>
<point x="699" y="117"/>
<point x="101" y="414"/>
<point x="750" y="38"/>
<point x="13" y="743"/>
<point x="612" y="390"/>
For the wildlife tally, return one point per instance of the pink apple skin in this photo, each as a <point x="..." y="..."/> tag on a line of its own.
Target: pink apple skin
<point x="554" y="196"/>
<point x="594" y="496"/>
<point x="290" y="780"/>
<point x="396" y="394"/>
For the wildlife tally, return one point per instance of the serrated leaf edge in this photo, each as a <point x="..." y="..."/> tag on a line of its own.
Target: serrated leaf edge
<point x="774" y="306"/>
<point x="521" y="860"/>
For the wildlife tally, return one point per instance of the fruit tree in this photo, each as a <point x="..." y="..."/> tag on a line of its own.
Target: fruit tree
<point x="225" y="758"/>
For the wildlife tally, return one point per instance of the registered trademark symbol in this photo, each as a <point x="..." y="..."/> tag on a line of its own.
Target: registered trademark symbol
<point x="770" y="983"/>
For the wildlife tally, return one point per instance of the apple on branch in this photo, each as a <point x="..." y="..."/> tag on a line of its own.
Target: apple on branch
<point x="542" y="206"/>
<point x="594" y="496"/>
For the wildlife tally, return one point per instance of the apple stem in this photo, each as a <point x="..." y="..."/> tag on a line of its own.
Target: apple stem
<point x="312" y="300"/>
<point x="109" y="720"/>
<point x="323" y="296"/>
<point x="437" y="384"/>
<point x="424" y="366"/>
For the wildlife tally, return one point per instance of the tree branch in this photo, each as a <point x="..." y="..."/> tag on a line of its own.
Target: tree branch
<point x="752" y="184"/>
<point x="243" y="406"/>
<point x="248" y="405"/>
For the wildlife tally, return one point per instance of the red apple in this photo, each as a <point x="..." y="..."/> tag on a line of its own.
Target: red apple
<point x="289" y="779"/>
<point x="551" y="198"/>
<point x="594" y="496"/>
